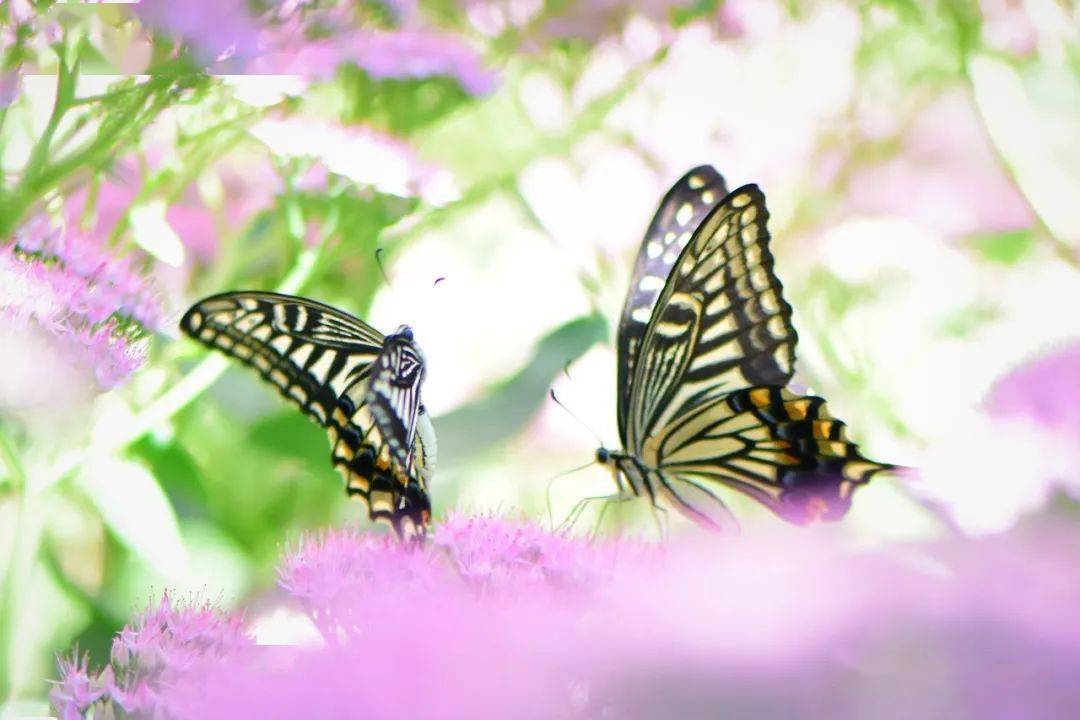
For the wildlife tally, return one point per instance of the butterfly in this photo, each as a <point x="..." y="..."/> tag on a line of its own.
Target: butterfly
<point x="363" y="387"/>
<point x="705" y="349"/>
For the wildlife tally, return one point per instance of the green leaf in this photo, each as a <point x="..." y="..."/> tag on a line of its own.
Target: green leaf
<point x="505" y="409"/>
<point x="1006" y="248"/>
<point x="176" y="471"/>
<point x="137" y="512"/>
<point x="292" y="434"/>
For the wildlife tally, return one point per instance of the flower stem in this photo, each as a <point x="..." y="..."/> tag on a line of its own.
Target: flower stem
<point x="17" y="573"/>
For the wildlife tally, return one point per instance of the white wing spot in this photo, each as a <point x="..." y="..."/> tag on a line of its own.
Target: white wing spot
<point x="641" y="314"/>
<point x="195" y="321"/>
<point x="708" y="197"/>
<point x="684" y="214"/>
<point x="653" y="249"/>
<point x="650" y="282"/>
<point x="695" y="182"/>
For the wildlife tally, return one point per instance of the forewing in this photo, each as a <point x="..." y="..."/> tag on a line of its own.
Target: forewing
<point x="781" y="449"/>
<point x="681" y="211"/>
<point x="720" y="324"/>
<point x="321" y="359"/>
<point x="311" y="352"/>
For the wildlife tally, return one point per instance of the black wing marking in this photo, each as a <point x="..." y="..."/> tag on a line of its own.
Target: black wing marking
<point x="309" y="351"/>
<point x="721" y="322"/>
<point x="782" y="449"/>
<point x="680" y="213"/>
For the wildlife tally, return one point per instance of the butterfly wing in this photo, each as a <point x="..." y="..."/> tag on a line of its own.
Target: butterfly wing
<point x="708" y="407"/>
<point x="681" y="211"/>
<point x="720" y="324"/>
<point x="322" y="360"/>
<point x="781" y="449"/>
<point x="309" y="351"/>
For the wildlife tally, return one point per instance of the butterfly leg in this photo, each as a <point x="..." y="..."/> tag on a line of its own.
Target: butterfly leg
<point x="580" y="507"/>
<point x="609" y="501"/>
<point x="660" y="517"/>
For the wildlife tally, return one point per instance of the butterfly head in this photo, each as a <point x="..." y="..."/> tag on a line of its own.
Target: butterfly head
<point x="404" y="332"/>
<point x="603" y="456"/>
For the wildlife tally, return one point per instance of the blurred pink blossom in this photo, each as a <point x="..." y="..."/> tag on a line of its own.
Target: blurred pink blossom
<point x="1007" y="26"/>
<point x="68" y="308"/>
<point x="398" y="53"/>
<point x="147" y="657"/>
<point x="215" y="29"/>
<point x="9" y="87"/>
<point x="1045" y="390"/>
<point x="946" y="177"/>
<point x="795" y="623"/>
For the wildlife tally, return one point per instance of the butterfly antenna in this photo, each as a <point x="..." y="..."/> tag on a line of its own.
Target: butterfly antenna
<point x="580" y="422"/>
<point x="437" y="281"/>
<point x="382" y="269"/>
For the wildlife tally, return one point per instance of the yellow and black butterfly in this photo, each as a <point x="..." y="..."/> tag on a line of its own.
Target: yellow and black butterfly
<point x="364" y="388"/>
<point x="705" y="350"/>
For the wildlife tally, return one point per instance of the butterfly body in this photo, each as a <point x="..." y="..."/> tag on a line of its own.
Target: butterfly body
<point x="363" y="388"/>
<point x="705" y="350"/>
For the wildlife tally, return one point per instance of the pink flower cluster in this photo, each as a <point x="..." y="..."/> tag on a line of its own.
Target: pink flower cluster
<point x="312" y="40"/>
<point x="90" y="306"/>
<point x="147" y="657"/>
<point x="499" y="619"/>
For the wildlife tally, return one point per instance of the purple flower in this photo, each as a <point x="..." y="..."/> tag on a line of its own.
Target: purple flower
<point x="71" y="317"/>
<point x="77" y="690"/>
<point x="9" y="87"/>
<point x="759" y="627"/>
<point x="400" y="53"/>
<point x="148" y="656"/>
<point x="947" y="176"/>
<point x="215" y="29"/>
<point x="493" y="553"/>
<point x="1044" y="390"/>
<point x="419" y="54"/>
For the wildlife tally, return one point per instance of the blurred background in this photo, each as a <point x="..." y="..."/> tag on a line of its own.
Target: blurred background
<point x="919" y="160"/>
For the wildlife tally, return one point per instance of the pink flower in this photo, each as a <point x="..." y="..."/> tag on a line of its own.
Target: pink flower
<point x="398" y="54"/>
<point x="215" y="30"/>
<point x="71" y="317"/>
<point x="9" y="87"/>
<point x="148" y="656"/>
<point x="751" y="626"/>
<point x="1044" y="390"/>
<point x="947" y="176"/>
<point x="76" y="691"/>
